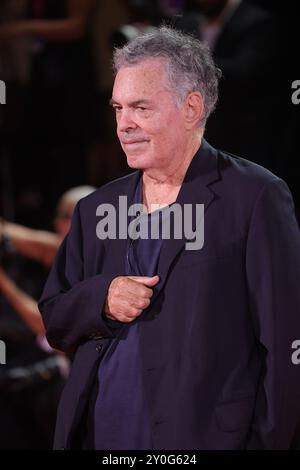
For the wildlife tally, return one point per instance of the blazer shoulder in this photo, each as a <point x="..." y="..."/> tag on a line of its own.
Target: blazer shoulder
<point x="109" y="191"/>
<point x="243" y="175"/>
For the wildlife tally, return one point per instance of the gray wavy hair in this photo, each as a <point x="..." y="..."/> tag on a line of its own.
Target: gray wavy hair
<point x="189" y="63"/>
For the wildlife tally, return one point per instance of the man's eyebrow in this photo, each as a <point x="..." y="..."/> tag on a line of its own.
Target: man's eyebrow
<point x="132" y="104"/>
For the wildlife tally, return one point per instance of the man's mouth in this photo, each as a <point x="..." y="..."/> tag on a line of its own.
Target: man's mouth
<point x="134" y="141"/>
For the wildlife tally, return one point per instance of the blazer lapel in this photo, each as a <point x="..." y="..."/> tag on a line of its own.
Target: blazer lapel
<point x="117" y="248"/>
<point x="202" y="172"/>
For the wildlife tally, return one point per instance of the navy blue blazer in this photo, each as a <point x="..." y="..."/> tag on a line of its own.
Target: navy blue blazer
<point x="217" y="338"/>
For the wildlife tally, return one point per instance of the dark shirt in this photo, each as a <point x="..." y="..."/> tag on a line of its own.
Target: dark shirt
<point x="121" y="416"/>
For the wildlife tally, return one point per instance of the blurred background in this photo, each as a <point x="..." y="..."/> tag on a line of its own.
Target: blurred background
<point x="58" y="143"/>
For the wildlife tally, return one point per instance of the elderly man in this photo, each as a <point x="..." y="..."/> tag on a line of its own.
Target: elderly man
<point x="176" y="347"/>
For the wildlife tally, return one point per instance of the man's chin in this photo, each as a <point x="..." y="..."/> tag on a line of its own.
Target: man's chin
<point x="136" y="162"/>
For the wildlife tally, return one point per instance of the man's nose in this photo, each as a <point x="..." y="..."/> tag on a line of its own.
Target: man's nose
<point x="125" y="120"/>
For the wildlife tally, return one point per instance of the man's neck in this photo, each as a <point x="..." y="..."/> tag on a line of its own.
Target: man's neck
<point x="161" y="186"/>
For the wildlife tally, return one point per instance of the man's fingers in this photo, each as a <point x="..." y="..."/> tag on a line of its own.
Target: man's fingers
<point x="123" y="302"/>
<point x="128" y="296"/>
<point x="147" y="281"/>
<point x="139" y="290"/>
<point x="141" y="303"/>
<point x="125" y="312"/>
<point x="135" y="302"/>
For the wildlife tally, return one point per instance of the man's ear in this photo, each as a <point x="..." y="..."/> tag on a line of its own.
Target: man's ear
<point x="193" y="109"/>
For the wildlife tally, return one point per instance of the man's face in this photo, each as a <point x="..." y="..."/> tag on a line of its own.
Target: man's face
<point x="150" y="125"/>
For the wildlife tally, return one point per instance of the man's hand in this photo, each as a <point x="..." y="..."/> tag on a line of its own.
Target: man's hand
<point x="128" y="296"/>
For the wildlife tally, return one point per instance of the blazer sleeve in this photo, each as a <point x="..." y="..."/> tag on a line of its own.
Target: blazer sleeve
<point x="71" y="306"/>
<point x="273" y="274"/>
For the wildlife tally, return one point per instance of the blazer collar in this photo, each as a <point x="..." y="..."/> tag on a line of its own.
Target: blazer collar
<point x="201" y="174"/>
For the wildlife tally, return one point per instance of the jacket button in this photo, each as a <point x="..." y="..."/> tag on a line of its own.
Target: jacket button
<point x="99" y="348"/>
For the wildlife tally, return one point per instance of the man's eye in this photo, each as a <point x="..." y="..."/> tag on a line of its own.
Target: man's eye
<point x="117" y="108"/>
<point x="141" y="108"/>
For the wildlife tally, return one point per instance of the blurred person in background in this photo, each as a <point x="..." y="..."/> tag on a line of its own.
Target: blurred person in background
<point x="32" y="380"/>
<point x="14" y="71"/>
<point x="143" y="16"/>
<point x="54" y="134"/>
<point x="247" y="46"/>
